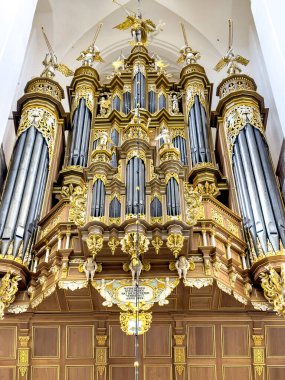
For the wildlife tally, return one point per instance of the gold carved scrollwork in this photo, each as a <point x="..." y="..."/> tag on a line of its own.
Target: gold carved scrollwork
<point x="134" y="241"/>
<point x="113" y="243"/>
<point x="273" y="286"/>
<point x="135" y="153"/>
<point x="8" y="289"/>
<point x="157" y="243"/>
<point x="84" y="91"/>
<point x="236" y="119"/>
<point x="78" y="199"/>
<point x="102" y="177"/>
<point x="171" y="175"/>
<point x="95" y="243"/>
<point x="258" y="354"/>
<point x="44" y="121"/>
<point x="193" y="205"/>
<point x="195" y="88"/>
<point x="128" y="322"/>
<point x="175" y="243"/>
<point x="23" y="355"/>
<point x="207" y="189"/>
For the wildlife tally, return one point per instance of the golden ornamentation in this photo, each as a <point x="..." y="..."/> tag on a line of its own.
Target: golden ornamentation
<point x="217" y="266"/>
<point x="72" y="285"/>
<point x="78" y="200"/>
<point x="102" y="177"/>
<point x="101" y="339"/>
<point x="233" y="277"/>
<point x="45" y="86"/>
<point x="135" y="216"/>
<point x="156" y="195"/>
<point x="174" y="132"/>
<point x="217" y="217"/>
<point x="207" y="267"/>
<point x="171" y="175"/>
<point x="101" y="359"/>
<point x="247" y="289"/>
<point x="134" y="243"/>
<point x="157" y="243"/>
<point x="240" y="298"/>
<point x="23" y="354"/>
<point x="235" y="83"/>
<point x="113" y="243"/>
<point x="8" y="290"/>
<point x="157" y="219"/>
<point x="258" y="354"/>
<point x="198" y="282"/>
<point x="237" y="117"/>
<point x="84" y="91"/>
<point x="232" y="228"/>
<point x="270" y="251"/>
<point x="179" y="359"/>
<point x="136" y="153"/>
<point x="115" y="221"/>
<point x="262" y="306"/>
<point x="44" y="121"/>
<point x="18" y="308"/>
<point x="128" y="322"/>
<point x="195" y="89"/>
<point x="193" y="204"/>
<point x="119" y="174"/>
<point x="94" y="244"/>
<point x="273" y="286"/>
<point x="207" y="189"/>
<point x="179" y="339"/>
<point x="169" y="153"/>
<point x="175" y="243"/>
<point x="224" y="288"/>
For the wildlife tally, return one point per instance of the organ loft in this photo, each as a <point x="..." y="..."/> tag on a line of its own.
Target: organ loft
<point x="133" y="243"/>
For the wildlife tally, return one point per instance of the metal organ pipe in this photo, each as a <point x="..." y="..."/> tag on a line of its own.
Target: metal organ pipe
<point x="135" y="188"/>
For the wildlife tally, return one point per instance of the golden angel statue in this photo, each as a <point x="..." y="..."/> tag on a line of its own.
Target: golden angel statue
<point x="187" y="54"/>
<point x="92" y="53"/>
<point x="139" y="27"/>
<point x="50" y="62"/>
<point x="231" y="60"/>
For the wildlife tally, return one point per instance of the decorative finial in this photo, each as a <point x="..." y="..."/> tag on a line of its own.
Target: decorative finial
<point x="50" y="62"/>
<point x="231" y="60"/>
<point x="139" y="27"/>
<point x="92" y="53"/>
<point x="187" y="54"/>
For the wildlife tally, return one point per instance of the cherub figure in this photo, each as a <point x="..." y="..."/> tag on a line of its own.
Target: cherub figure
<point x="89" y="267"/>
<point x="104" y="105"/>
<point x="136" y="267"/>
<point x="182" y="265"/>
<point x="92" y="53"/>
<point x="165" y="136"/>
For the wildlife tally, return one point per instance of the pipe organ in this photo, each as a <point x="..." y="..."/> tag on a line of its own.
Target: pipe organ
<point x="144" y="212"/>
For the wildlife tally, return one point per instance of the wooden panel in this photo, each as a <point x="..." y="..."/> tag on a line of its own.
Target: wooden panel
<point x="79" y="372"/>
<point x="8" y="342"/>
<point x="200" y="303"/>
<point x="237" y="373"/>
<point x="45" y="373"/>
<point x="46" y="342"/>
<point x="275" y="373"/>
<point x="79" y="304"/>
<point x="120" y="372"/>
<point x="275" y="338"/>
<point x="158" y="372"/>
<point x="7" y="373"/>
<point x="79" y="341"/>
<point x="157" y="341"/>
<point x="51" y="303"/>
<point x="235" y="341"/>
<point x="201" y="372"/>
<point x="229" y="302"/>
<point x="126" y="346"/>
<point x="201" y="341"/>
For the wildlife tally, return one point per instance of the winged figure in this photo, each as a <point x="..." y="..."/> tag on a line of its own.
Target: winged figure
<point x="50" y="62"/>
<point x="139" y="27"/>
<point x="92" y="53"/>
<point x="231" y="60"/>
<point x="187" y="54"/>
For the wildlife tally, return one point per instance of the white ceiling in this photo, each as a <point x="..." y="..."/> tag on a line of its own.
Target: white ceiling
<point x="71" y="24"/>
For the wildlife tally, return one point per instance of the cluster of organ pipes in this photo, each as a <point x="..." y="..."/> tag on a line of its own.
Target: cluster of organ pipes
<point x="259" y="198"/>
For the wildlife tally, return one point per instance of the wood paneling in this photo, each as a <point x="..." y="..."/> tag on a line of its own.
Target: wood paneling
<point x="157" y="341"/>
<point x="7" y="373"/>
<point x="80" y="342"/>
<point x="45" y="373"/>
<point x="235" y="341"/>
<point x="121" y="345"/>
<point x="79" y="304"/>
<point x="275" y="341"/>
<point x="237" y="372"/>
<point x="46" y="342"/>
<point x="79" y="372"/>
<point x="117" y="372"/>
<point x="8" y="342"/>
<point x="201" y="340"/>
<point x="158" y="372"/>
<point x="275" y="372"/>
<point x="196" y="372"/>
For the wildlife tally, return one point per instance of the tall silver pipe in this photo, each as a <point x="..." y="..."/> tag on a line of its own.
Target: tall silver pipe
<point x="206" y="133"/>
<point x="18" y="190"/>
<point x="194" y="140"/>
<point x="199" y="128"/>
<point x="262" y="188"/>
<point x="252" y="189"/>
<point x="12" y="175"/>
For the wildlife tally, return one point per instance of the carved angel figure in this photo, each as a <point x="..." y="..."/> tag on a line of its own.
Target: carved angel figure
<point x="90" y="55"/>
<point x="165" y="136"/>
<point x="136" y="267"/>
<point x="139" y="27"/>
<point x="182" y="265"/>
<point x="89" y="268"/>
<point x="103" y="140"/>
<point x="104" y="293"/>
<point x="104" y="105"/>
